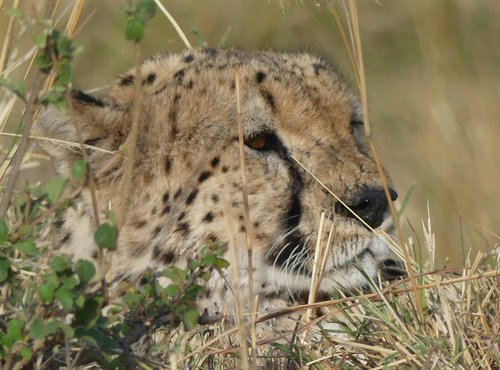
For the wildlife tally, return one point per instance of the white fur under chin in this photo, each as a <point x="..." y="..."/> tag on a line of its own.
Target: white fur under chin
<point x="351" y="275"/>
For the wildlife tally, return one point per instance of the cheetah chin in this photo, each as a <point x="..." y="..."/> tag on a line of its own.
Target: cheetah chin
<point x="296" y="114"/>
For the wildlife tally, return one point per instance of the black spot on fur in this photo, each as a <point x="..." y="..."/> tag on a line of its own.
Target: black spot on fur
<point x="210" y="51"/>
<point x="269" y="99"/>
<point x="150" y="79"/>
<point x="208" y="217"/>
<point x="215" y="162"/>
<point x="190" y="84"/>
<point x="59" y="223"/>
<point x="260" y="76"/>
<point x="181" y="216"/>
<point x="183" y="228"/>
<point x="318" y="68"/>
<point x="156" y="252"/>
<point x="66" y="238"/>
<point x="243" y="228"/>
<point x="156" y="231"/>
<point x="95" y="254"/>
<point x="83" y="98"/>
<point x="179" y="75"/>
<point x="215" y="198"/>
<point x="154" y="211"/>
<point x="189" y="58"/>
<point x="168" y="257"/>
<point x="224" y="169"/>
<point x="168" y="165"/>
<point x="166" y="197"/>
<point x="204" y="175"/>
<point x="177" y="193"/>
<point x="192" y="196"/>
<point x="172" y="115"/>
<point x="127" y="80"/>
<point x="212" y="238"/>
<point x="140" y="224"/>
<point x="166" y="210"/>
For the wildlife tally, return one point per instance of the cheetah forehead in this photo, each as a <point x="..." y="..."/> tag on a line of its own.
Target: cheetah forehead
<point x="308" y="77"/>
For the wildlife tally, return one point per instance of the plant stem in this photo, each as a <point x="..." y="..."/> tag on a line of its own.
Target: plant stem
<point x="31" y="108"/>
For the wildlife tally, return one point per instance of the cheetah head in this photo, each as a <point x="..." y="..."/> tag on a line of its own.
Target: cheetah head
<point x="296" y="114"/>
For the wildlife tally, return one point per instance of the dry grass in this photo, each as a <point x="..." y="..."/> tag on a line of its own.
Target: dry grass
<point x="448" y="318"/>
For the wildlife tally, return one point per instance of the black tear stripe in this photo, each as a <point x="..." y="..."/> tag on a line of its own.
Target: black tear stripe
<point x="294" y="244"/>
<point x="86" y="99"/>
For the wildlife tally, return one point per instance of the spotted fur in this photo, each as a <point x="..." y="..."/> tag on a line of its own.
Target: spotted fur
<point x="187" y="176"/>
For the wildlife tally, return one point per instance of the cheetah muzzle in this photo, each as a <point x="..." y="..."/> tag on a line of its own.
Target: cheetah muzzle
<point x="187" y="178"/>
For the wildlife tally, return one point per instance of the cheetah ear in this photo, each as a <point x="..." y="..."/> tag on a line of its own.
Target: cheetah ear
<point x="87" y="119"/>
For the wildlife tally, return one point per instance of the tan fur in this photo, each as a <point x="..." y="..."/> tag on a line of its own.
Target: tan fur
<point x="187" y="169"/>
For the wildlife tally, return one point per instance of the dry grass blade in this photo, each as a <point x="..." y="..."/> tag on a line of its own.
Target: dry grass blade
<point x="357" y="57"/>
<point x="130" y="144"/>
<point x="7" y="40"/>
<point x="236" y="286"/>
<point x="174" y="23"/>
<point x="17" y="159"/>
<point x="246" y="212"/>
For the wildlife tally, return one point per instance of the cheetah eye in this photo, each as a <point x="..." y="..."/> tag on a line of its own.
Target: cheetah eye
<point x="258" y="142"/>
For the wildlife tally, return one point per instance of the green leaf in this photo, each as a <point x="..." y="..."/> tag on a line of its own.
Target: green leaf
<point x="15" y="329"/>
<point x="190" y="318"/>
<point x="131" y="299"/>
<point x="43" y="62"/>
<point x="60" y="263"/>
<point x="78" y="169"/>
<point x="221" y="263"/>
<point x="85" y="270"/>
<point x="65" y="47"/>
<point x="40" y="329"/>
<point x="4" y="231"/>
<point x="105" y="236"/>
<point x="146" y="9"/>
<point x="175" y="274"/>
<point x="40" y="39"/>
<point x="193" y="291"/>
<point x="96" y="337"/>
<point x="14" y="12"/>
<point x="172" y="290"/>
<point x="46" y="292"/>
<point x="65" y="297"/>
<point x="63" y="73"/>
<point x="134" y="29"/>
<point x="70" y="282"/>
<point x="89" y="313"/>
<point x="17" y="87"/>
<point x="68" y="331"/>
<point x="26" y="353"/>
<point x="4" y="269"/>
<point x="54" y="189"/>
<point x="27" y="246"/>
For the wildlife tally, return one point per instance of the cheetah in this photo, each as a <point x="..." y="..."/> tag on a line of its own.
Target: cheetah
<point x="296" y="114"/>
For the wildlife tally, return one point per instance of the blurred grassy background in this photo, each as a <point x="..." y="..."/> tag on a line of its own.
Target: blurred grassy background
<point x="433" y="70"/>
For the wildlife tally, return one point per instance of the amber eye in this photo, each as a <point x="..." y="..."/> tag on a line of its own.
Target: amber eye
<point x="257" y="142"/>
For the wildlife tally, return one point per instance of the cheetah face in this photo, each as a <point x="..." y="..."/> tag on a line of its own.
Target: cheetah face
<point x="296" y="115"/>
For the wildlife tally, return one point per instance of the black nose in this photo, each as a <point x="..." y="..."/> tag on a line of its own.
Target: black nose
<point x="369" y="204"/>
